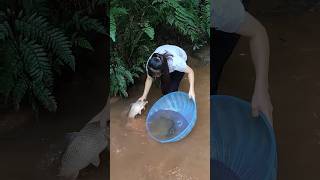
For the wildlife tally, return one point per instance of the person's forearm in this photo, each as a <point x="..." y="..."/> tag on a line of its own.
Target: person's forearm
<point x="191" y="79"/>
<point x="147" y="86"/>
<point x="259" y="47"/>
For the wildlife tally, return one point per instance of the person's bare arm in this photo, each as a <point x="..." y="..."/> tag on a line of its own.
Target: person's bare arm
<point x="259" y="47"/>
<point x="147" y="87"/>
<point x="190" y="73"/>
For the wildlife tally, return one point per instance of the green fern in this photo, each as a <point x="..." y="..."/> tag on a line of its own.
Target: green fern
<point x="148" y="30"/>
<point x="27" y="64"/>
<point x="83" y="43"/>
<point x="8" y="65"/>
<point x="36" y="27"/>
<point x="36" y="41"/>
<point x="33" y="6"/>
<point x="35" y="59"/>
<point x="20" y="89"/>
<point x="114" y="13"/>
<point x="133" y="32"/>
<point x="44" y="95"/>
<point x="191" y="18"/>
<point x="120" y="77"/>
<point x="90" y="24"/>
<point x="183" y="19"/>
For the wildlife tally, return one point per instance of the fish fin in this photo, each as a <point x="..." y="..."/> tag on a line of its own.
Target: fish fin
<point x="129" y="110"/>
<point x="95" y="161"/>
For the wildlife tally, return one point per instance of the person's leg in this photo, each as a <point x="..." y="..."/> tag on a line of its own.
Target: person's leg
<point x="173" y="84"/>
<point x="222" y="45"/>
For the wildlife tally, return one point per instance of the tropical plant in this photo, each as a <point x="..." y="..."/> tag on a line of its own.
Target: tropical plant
<point x="74" y="16"/>
<point x="132" y="31"/>
<point x="35" y="46"/>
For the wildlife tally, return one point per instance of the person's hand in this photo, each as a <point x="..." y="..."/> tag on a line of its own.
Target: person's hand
<point x="192" y="95"/>
<point x="142" y="98"/>
<point x="261" y="102"/>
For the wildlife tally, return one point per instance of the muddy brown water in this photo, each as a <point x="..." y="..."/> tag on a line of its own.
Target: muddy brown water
<point x="294" y="82"/>
<point x="135" y="156"/>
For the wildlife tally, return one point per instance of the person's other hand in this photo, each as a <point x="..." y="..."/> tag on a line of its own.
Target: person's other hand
<point x="261" y="102"/>
<point x="192" y="95"/>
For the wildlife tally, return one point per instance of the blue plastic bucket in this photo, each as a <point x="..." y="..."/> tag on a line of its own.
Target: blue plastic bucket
<point x="176" y="112"/>
<point x="242" y="147"/>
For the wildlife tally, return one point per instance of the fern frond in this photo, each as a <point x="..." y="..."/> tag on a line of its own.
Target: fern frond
<point x="9" y="68"/>
<point x="89" y="24"/>
<point x="83" y="43"/>
<point x="33" y="6"/>
<point x="37" y="28"/>
<point x="113" y="28"/>
<point x="127" y="74"/>
<point x="35" y="59"/>
<point x="19" y="90"/>
<point x="114" y="13"/>
<point x="44" y="96"/>
<point x="185" y="18"/>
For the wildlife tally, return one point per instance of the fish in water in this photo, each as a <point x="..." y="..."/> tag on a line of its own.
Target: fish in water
<point x="83" y="150"/>
<point x="136" y="108"/>
<point x="86" y="145"/>
<point x="162" y="127"/>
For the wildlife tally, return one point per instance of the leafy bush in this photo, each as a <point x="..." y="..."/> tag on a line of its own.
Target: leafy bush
<point x="36" y="43"/>
<point x="132" y="30"/>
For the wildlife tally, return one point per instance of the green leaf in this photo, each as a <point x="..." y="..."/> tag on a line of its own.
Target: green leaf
<point x="35" y="59"/>
<point x="44" y="96"/>
<point x="83" y="43"/>
<point x="118" y="11"/>
<point x="113" y="28"/>
<point x="149" y="30"/>
<point x="37" y="28"/>
<point x="19" y="91"/>
<point x="89" y="24"/>
<point x="114" y="13"/>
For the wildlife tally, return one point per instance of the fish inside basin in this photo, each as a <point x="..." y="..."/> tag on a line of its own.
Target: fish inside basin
<point x="166" y="124"/>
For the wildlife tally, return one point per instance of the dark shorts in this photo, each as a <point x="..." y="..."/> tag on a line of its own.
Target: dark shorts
<point x="222" y="45"/>
<point x="173" y="84"/>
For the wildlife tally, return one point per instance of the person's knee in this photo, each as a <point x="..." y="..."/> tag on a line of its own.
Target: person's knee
<point x="251" y="27"/>
<point x="260" y="30"/>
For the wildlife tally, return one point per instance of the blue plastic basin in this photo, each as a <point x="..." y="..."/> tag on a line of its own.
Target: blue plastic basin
<point x="242" y="147"/>
<point x="179" y="109"/>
